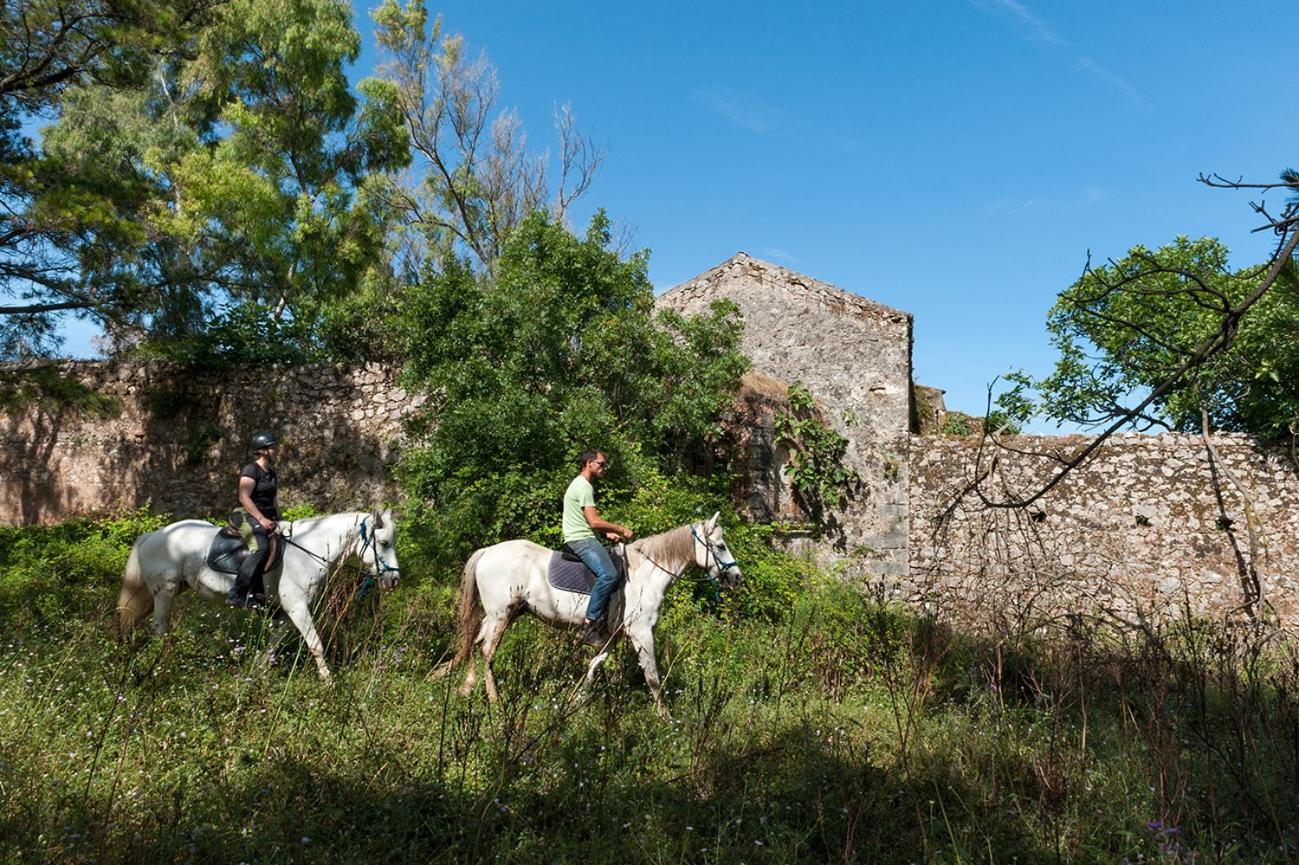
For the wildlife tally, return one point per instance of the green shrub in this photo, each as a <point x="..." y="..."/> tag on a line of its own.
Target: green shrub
<point x="51" y="573"/>
<point x="834" y="726"/>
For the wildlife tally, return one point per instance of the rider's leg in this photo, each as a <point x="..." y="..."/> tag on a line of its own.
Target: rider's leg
<point x="258" y="546"/>
<point x="268" y="561"/>
<point x="596" y="557"/>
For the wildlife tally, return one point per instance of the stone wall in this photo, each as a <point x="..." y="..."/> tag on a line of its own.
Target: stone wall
<point x="177" y="440"/>
<point x="855" y="357"/>
<point x="1151" y="526"/>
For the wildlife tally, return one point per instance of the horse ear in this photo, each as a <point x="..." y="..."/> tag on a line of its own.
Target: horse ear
<point x="712" y="521"/>
<point x="378" y="520"/>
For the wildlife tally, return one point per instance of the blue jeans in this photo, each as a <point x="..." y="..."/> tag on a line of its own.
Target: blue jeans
<point x="596" y="557"/>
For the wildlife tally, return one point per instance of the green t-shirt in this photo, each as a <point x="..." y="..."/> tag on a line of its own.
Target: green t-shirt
<point x="578" y="495"/>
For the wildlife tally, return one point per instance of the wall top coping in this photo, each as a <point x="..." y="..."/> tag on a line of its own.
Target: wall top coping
<point x="1121" y="439"/>
<point x="790" y="281"/>
<point x="95" y="364"/>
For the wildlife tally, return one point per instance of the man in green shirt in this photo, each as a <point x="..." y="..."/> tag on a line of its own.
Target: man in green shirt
<point x="581" y="522"/>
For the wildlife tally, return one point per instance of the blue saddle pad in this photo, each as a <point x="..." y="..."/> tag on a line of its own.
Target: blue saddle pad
<point x="570" y="576"/>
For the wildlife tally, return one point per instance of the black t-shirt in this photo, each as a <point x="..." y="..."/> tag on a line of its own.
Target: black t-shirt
<point x="265" y="486"/>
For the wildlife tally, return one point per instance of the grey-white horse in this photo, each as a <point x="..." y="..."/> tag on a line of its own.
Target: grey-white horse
<point x="164" y="562"/>
<point x="503" y="581"/>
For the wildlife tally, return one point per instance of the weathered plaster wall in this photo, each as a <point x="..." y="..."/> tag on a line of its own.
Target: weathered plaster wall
<point x="178" y="440"/>
<point x="1151" y="526"/>
<point x="855" y="357"/>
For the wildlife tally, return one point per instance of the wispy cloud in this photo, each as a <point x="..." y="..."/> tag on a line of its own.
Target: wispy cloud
<point x="1034" y="26"/>
<point x="741" y="109"/>
<point x="1086" y="64"/>
<point x="1091" y="196"/>
<point x="1037" y="30"/>
<point x="779" y="254"/>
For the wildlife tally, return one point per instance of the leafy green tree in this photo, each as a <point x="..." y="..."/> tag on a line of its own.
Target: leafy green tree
<point x="1127" y="327"/>
<point x="47" y="48"/>
<point x="233" y="183"/>
<point x="559" y="351"/>
<point x="280" y="202"/>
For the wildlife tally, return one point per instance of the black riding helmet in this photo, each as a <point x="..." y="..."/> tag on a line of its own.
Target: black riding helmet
<point x="263" y="440"/>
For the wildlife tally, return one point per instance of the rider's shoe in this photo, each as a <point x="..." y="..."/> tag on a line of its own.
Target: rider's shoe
<point x="593" y="634"/>
<point x="243" y="602"/>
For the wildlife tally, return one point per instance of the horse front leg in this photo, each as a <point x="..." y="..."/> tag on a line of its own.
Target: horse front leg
<point x="642" y="638"/>
<point x="300" y="613"/>
<point x="600" y="657"/>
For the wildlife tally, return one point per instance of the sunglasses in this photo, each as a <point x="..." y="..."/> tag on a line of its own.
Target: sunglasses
<point x="600" y="463"/>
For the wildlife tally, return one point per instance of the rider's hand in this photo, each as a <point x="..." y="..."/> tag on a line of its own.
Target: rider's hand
<point x="627" y="534"/>
<point x="613" y="536"/>
<point x="269" y="525"/>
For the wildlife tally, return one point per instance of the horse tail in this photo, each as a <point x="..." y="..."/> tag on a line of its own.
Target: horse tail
<point x="471" y="615"/>
<point x="135" y="601"/>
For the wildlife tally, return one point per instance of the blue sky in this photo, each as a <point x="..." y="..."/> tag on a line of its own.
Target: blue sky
<point x="956" y="159"/>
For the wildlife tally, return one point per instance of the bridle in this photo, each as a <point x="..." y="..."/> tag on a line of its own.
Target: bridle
<point x="380" y="566"/>
<point x="710" y="553"/>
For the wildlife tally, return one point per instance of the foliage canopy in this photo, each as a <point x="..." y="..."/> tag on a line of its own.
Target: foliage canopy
<point x="1128" y="326"/>
<point x="560" y="351"/>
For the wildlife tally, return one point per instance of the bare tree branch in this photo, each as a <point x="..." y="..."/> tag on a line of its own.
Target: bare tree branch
<point x="480" y="182"/>
<point x="1217" y="342"/>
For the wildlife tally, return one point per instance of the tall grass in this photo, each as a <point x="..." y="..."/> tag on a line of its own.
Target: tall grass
<point x="844" y="730"/>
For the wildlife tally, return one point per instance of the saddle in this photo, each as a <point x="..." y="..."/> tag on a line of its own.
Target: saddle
<point x="228" y="552"/>
<point x="568" y="573"/>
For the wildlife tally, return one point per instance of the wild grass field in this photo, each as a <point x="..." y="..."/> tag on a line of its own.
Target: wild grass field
<point x="833" y="727"/>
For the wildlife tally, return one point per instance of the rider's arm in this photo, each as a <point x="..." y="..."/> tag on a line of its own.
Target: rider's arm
<point x="599" y="524"/>
<point x="246" y="485"/>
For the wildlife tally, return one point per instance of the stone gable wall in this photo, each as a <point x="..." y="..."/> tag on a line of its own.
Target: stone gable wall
<point x="855" y="357"/>
<point x="1150" y="527"/>
<point x="177" y="440"/>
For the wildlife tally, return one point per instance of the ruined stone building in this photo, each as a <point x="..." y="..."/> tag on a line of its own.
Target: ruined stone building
<point x="1149" y="527"/>
<point x="854" y="355"/>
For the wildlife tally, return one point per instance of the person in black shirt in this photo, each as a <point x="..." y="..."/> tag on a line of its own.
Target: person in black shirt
<point x="259" y="513"/>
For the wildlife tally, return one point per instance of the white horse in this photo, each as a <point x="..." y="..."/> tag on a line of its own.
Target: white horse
<point x="503" y="581"/>
<point x="164" y="562"/>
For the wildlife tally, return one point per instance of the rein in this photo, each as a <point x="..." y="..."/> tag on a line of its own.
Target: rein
<point x="367" y="543"/>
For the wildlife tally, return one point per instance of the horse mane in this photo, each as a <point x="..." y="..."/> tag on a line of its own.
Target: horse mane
<point x="672" y="544"/>
<point x="305" y="523"/>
